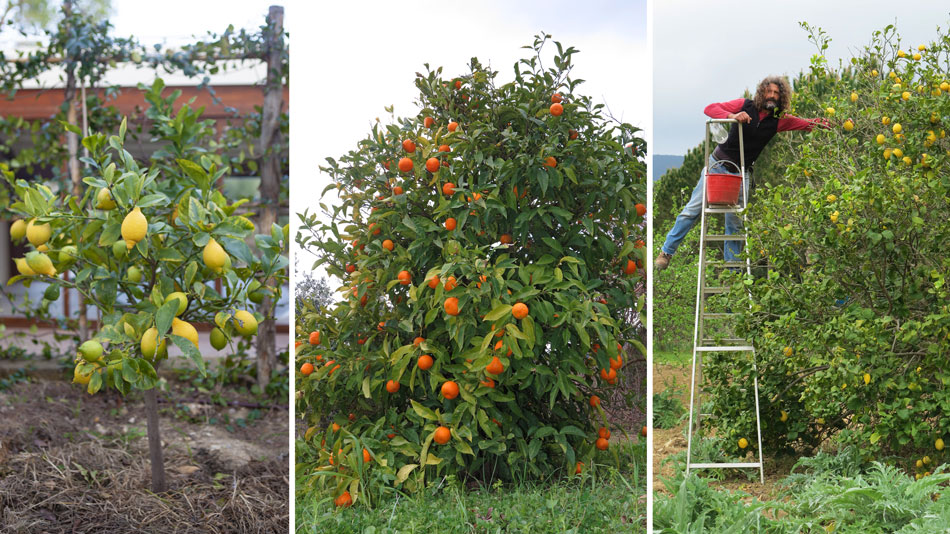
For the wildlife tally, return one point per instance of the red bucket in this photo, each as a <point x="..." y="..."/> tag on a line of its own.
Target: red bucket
<point x="723" y="188"/>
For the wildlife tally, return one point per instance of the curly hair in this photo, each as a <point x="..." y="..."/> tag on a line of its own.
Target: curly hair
<point x="784" y="91"/>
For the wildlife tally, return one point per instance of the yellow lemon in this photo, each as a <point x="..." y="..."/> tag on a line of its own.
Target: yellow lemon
<point x="784" y="416"/>
<point x="182" y="302"/>
<point x="897" y="128"/>
<point x="831" y="198"/>
<point x="788" y="352"/>
<point x="854" y="97"/>
<point x="79" y="378"/>
<point x="23" y="267"/>
<point x="938" y="444"/>
<point x="134" y="227"/>
<point x="214" y="256"/>
<point x="905" y="95"/>
<point x="898" y="153"/>
<point x="40" y="263"/>
<point x="916" y="57"/>
<point x="185" y="330"/>
<point x="830" y="111"/>
<point x="91" y="350"/>
<point x="245" y="323"/>
<point x="926" y="460"/>
<point x="885" y="120"/>
<point x="880" y="139"/>
<point x="104" y="200"/>
<point x="907" y="160"/>
<point x="848" y="125"/>
<point x="743" y="443"/>
<point x="150" y="348"/>
<point x="38" y="234"/>
<point x="901" y="53"/>
<point x="18" y="230"/>
<point x="867" y="379"/>
<point x="919" y="463"/>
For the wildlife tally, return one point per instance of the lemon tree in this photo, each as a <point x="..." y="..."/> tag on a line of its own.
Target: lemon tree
<point x="144" y="244"/>
<point x="851" y="323"/>
<point x="490" y="253"/>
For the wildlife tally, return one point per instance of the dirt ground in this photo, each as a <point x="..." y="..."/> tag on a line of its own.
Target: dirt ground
<point x="75" y="463"/>
<point x="668" y="442"/>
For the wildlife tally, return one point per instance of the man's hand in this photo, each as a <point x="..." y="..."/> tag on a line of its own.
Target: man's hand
<point x="742" y="117"/>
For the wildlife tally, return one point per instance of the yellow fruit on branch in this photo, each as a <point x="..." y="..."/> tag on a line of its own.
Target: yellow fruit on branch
<point x="104" y="200"/>
<point x="23" y="267"/>
<point x="91" y="350"/>
<point x="214" y="256"/>
<point x="40" y="263"/>
<point x="182" y="301"/>
<point x="245" y="323"/>
<point x="151" y="349"/>
<point x="134" y="227"/>
<point x="185" y="330"/>
<point x="38" y="234"/>
<point x="18" y="230"/>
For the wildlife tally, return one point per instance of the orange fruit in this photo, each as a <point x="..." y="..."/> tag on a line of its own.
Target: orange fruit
<point x="425" y="362"/>
<point x="408" y="146"/>
<point x="344" y="500"/>
<point x="335" y="427"/>
<point x="372" y="228"/>
<point x="388" y="245"/>
<point x="397" y="190"/>
<point x="639" y="244"/>
<point x="556" y="98"/>
<point x="350" y="268"/>
<point x="418" y="341"/>
<point x="603" y="433"/>
<point x="556" y="109"/>
<point x="392" y="386"/>
<point x="315" y="338"/>
<point x="458" y="84"/>
<point x="450" y="390"/>
<point x="519" y="310"/>
<point x="366" y="456"/>
<point x="602" y="444"/>
<point x="594" y="401"/>
<point x="434" y="281"/>
<point x="450" y="284"/>
<point x="450" y="224"/>
<point x="630" y="268"/>
<point x="495" y="367"/>
<point x="380" y="326"/>
<point x="448" y="188"/>
<point x="608" y="375"/>
<point x="405" y="164"/>
<point x="550" y="161"/>
<point x="641" y="210"/>
<point x="445" y="148"/>
<point x="579" y="467"/>
<point x="643" y="431"/>
<point x="404" y="278"/>
<point x="306" y="369"/>
<point x="442" y="435"/>
<point x="428" y="122"/>
<point x="451" y="306"/>
<point x="453" y="126"/>
<point x="505" y="239"/>
<point x="432" y="164"/>
<point x="572" y="134"/>
<point x="488" y="382"/>
<point x="616" y="364"/>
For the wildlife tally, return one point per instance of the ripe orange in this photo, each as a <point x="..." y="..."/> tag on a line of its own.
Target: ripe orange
<point x="432" y="165"/>
<point x="397" y="190"/>
<point x="608" y="375"/>
<point x="388" y="245"/>
<point x="641" y="210"/>
<point x="495" y="367"/>
<point x="594" y="401"/>
<point x="442" y="435"/>
<point x="392" y="386"/>
<point x="643" y="431"/>
<point x="556" y="109"/>
<point x="448" y="188"/>
<point x="505" y="239"/>
<point x="404" y="278"/>
<point x="450" y="284"/>
<point x="453" y="126"/>
<point x="335" y="427"/>
<point x="428" y="122"/>
<point x="603" y="433"/>
<point x="572" y="134"/>
<point x="616" y="364"/>
<point x="405" y="164"/>
<point x="434" y="281"/>
<point x="519" y="310"/>
<point x="425" y="362"/>
<point x="373" y="229"/>
<point x="380" y="326"/>
<point x="550" y="161"/>
<point x="458" y="84"/>
<point x="350" y="268"/>
<point x="556" y="98"/>
<point x="315" y="337"/>
<point x="344" y="500"/>
<point x="630" y="268"/>
<point x="602" y="444"/>
<point x="450" y="224"/>
<point x="306" y="369"/>
<point x="366" y="456"/>
<point x="451" y="306"/>
<point x="408" y="146"/>
<point x="488" y="382"/>
<point x="639" y="244"/>
<point x="579" y="467"/>
<point x="418" y="341"/>
<point x="445" y="148"/>
<point x="450" y="390"/>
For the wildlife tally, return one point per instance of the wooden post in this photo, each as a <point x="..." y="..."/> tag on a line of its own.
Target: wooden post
<point x="270" y="179"/>
<point x="154" y="442"/>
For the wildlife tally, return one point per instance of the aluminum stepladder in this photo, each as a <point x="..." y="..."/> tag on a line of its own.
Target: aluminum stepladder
<point x="703" y="344"/>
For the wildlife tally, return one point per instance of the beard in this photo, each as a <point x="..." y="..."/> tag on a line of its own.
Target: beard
<point x="770" y="105"/>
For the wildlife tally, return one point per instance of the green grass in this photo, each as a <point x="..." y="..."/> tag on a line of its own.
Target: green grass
<point x="603" y="499"/>
<point x="679" y="356"/>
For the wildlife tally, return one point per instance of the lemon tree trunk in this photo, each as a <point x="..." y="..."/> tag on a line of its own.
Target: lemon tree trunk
<point x="154" y="442"/>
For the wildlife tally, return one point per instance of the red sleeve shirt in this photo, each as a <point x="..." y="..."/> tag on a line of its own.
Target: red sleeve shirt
<point x="721" y="110"/>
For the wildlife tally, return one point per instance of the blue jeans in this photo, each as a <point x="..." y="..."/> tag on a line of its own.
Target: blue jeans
<point x="693" y="209"/>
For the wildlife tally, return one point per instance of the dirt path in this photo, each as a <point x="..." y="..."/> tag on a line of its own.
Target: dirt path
<point x="668" y="442"/>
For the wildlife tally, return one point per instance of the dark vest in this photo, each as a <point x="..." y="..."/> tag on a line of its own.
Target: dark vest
<point x="755" y="136"/>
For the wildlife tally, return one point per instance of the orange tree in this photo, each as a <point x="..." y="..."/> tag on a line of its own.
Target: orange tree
<point x="851" y="323"/>
<point x="145" y="242"/>
<point x="489" y="248"/>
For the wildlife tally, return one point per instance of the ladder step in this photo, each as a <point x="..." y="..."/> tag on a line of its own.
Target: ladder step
<point x="727" y="340"/>
<point x="726" y="264"/>
<point x="723" y="465"/>
<point x="716" y="289"/>
<point x="725" y="237"/>
<point x="719" y="315"/>
<point x="724" y="209"/>
<point x="736" y="348"/>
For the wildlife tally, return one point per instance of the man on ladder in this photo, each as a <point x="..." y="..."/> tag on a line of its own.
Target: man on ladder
<point x="764" y="117"/>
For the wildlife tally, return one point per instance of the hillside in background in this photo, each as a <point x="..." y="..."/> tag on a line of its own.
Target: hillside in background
<point x="663" y="163"/>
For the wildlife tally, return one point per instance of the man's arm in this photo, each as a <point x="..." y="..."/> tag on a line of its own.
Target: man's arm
<point x="728" y="110"/>
<point x="790" y="122"/>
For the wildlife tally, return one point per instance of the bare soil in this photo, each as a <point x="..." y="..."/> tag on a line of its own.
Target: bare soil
<point x="75" y="463"/>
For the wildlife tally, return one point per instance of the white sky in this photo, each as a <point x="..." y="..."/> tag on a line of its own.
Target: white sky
<point x="712" y="51"/>
<point x="350" y="61"/>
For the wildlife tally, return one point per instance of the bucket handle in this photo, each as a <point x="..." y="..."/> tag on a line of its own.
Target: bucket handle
<point x="738" y="170"/>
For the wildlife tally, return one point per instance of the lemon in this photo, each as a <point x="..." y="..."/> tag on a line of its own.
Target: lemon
<point x="91" y="350"/>
<point x="18" y="230"/>
<point x="834" y="217"/>
<point x="134" y="227"/>
<point x="38" y="234"/>
<point x="848" y="125"/>
<point x="218" y="339"/>
<point x="22" y="267"/>
<point x="907" y="160"/>
<point x="68" y="254"/>
<point x="874" y="72"/>
<point x="831" y="198"/>
<point x="743" y="443"/>
<point x="182" y="302"/>
<point x="897" y="128"/>
<point x="134" y="274"/>
<point x="898" y="153"/>
<point x="867" y="379"/>
<point x="150" y="348"/>
<point x="214" y="256"/>
<point x="119" y="249"/>
<point x="880" y="139"/>
<point x="919" y="464"/>
<point x="784" y="416"/>
<point x="79" y="378"/>
<point x="245" y="323"/>
<point x="830" y="111"/>
<point x="788" y="352"/>
<point x="916" y="57"/>
<point x="185" y="330"/>
<point x="129" y="330"/>
<point x="939" y="444"/>
<point x="901" y="53"/>
<point x="905" y="95"/>
<point x="885" y="120"/>
<point x="40" y="263"/>
<point x="926" y="460"/>
<point x="104" y="200"/>
<point x="854" y="97"/>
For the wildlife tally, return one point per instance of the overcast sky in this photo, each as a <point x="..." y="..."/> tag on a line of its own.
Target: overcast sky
<point x="351" y="60"/>
<point x="712" y="51"/>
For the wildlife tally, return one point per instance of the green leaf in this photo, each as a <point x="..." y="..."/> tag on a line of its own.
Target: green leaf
<point x="164" y="316"/>
<point x="191" y="351"/>
<point x="423" y="412"/>
<point x="498" y="312"/>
